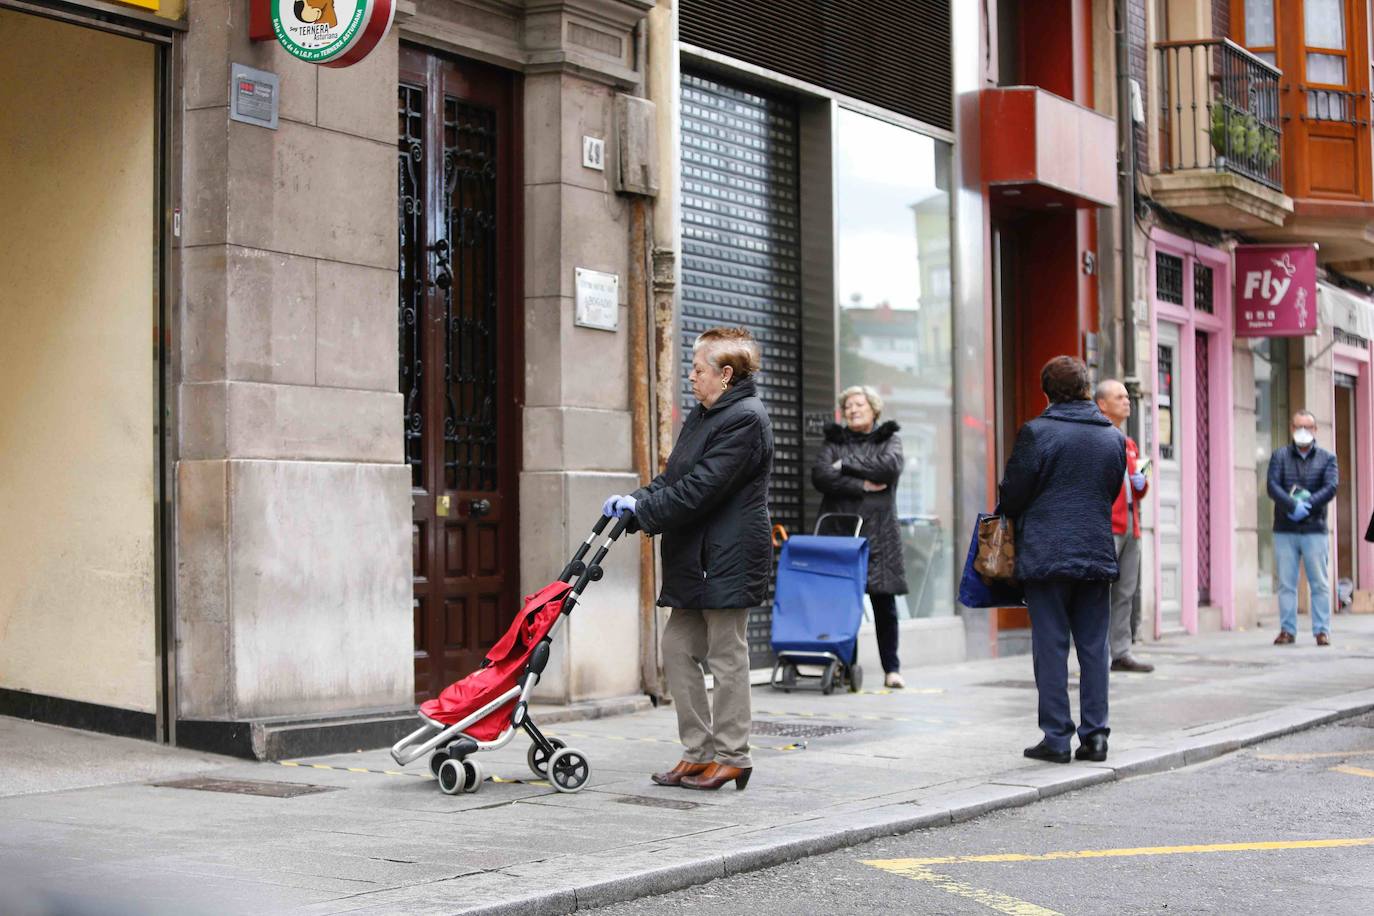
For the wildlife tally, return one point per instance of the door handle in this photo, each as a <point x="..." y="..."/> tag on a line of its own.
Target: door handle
<point x="443" y="277"/>
<point x="479" y="507"/>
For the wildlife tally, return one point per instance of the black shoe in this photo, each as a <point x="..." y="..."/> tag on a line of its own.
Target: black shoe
<point x="1093" y="747"/>
<point x="1043" y="751"/>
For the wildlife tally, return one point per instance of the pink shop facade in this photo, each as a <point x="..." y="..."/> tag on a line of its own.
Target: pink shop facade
<point x="1214" y="406"/>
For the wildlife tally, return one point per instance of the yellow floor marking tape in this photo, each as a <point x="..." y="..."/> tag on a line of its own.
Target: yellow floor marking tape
<point x="1355" y="771"/>
<point x="1324" y="755"/>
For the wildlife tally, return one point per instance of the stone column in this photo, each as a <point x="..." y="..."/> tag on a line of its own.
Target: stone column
<point x="576" y="424"/>
<point x="293" y="506"/>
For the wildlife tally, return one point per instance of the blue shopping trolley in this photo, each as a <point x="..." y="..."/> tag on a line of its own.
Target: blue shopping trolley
<point x="818" y="605"/>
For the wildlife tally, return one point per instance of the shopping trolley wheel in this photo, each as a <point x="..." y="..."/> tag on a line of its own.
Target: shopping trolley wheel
<point x="828" y="680"/>
<point x="453" y="776"/>
<point x="436" y="760"/>
<point x="538" y="760"/>
<point x="856" y="678"/>
<point x="789" y="676"/>
<point x="569" y="770"/>
<point x="476" y="775"/>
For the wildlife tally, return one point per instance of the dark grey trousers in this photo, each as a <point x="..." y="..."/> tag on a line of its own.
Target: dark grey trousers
<point x="1060" y="608"/>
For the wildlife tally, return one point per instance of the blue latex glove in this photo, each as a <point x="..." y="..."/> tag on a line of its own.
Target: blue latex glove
<point x="608" y="508"/>
<point x="1137" y="482"/>
<point x="625" y="505"/>
<point x="1300" y="512"/>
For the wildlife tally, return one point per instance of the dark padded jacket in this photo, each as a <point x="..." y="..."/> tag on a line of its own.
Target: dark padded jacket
<point x="877" y="456"/>
<point x="711" y="506"/>
<point x="1061" y="480"/>
<point x="1317" y="474"/>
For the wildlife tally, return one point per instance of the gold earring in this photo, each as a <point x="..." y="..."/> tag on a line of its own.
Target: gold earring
<point x="724" y="384"/>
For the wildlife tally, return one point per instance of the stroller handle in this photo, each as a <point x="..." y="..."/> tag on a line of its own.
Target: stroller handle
<point x="576" y="567"/>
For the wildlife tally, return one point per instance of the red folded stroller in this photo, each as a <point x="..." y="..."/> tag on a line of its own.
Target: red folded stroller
<point x="482" y="711"/>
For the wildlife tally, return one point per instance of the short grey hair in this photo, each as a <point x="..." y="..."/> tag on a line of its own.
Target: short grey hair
<point x="874" y="399"/>
<point x="1101" y="393"/>
<point x="1304" y="412"/>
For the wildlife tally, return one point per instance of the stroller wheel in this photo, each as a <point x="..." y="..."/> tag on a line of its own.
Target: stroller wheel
<point x="436" y="760"/>
<point x="453" y="776"/>
<point x="856" y="678"/>
<point x="476" y="774"/>
<point x="538" y="760"/>
<point x="569" y="770"/>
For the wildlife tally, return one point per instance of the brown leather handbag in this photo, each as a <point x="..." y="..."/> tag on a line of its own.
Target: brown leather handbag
<point x="996" y="559"/>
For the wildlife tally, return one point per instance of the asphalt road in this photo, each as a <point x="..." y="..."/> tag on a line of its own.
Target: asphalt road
<point x="1294" y="820"/>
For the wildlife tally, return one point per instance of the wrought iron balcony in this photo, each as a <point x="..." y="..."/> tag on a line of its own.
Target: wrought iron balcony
<point x="1219" y="109"/>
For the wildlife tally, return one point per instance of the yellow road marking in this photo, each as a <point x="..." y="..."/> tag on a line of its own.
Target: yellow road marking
<point x="1355" y="771"/>
<point x="919" y="869"/>
<point x="1122" y="853"/>
<point x="1324" y="755"/>
<point x="993" y="900"/>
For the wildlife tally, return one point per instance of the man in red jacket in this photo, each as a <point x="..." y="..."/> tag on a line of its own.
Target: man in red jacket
<point x="1114" y="402"/>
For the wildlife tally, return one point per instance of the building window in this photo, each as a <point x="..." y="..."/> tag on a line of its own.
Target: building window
<point x="1324" y="33"/>
<point x="1271" y="432"/>
<point x="1202" y="288"/>
<point x="1169" y="278"/>
<point x="1165" y="398"/>
<point x="1259" y="29"/>
<point x="892" y="275"/>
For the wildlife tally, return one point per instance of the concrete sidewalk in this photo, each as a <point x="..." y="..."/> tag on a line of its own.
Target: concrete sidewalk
<point x="830" y="771"/>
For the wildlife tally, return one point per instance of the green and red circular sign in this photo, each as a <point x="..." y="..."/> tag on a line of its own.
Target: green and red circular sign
<point x="332" y="33"/>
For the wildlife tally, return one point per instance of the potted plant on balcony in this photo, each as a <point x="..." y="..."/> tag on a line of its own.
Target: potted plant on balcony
<point x="1238" y="135"/>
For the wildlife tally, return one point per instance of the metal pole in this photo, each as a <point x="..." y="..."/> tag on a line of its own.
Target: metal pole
<point x="1125" y="126"/>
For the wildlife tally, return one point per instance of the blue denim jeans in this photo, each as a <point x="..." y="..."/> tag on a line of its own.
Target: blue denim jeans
<point x="1313" y="551"/>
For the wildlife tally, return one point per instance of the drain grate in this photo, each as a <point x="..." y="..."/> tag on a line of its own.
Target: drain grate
<point x="646" y="802"/>
<point x="247" y="787"/>
<point x="798" y="729"/>
<point x="1225" y="663"/>
<point x="1364" y="721"/>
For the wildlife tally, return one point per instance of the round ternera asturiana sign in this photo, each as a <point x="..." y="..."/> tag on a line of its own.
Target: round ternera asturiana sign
<point x="332" y="33"/>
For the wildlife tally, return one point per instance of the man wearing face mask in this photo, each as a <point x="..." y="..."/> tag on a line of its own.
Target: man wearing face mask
<point x="1302" y="480"/>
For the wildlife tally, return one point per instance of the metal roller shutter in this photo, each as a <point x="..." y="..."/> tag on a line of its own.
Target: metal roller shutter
<point x="741" y="262"/>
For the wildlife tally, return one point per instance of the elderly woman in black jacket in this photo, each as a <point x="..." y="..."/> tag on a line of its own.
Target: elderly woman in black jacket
<point x="1061" y="481"/>
<point x="856" y="473"/>
<point x="711" y="507"/>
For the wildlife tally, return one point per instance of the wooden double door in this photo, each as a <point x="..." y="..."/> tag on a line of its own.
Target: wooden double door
<point x="458" y="180"/>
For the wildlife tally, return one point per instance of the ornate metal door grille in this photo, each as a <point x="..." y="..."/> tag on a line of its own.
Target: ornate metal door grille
<point x="470" y="368"/>
<point x="458" y="354"/>
<point x="741" y="262"/>
<point x="1202" y="288"/>
<point x="410" y="157"/>
<point x="1203" y="438"/>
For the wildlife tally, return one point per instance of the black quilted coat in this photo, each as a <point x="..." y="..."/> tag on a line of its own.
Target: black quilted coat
<point x="875" y="456"/>
<point x="711" y="506"/>
<point x="1062" y="478"/>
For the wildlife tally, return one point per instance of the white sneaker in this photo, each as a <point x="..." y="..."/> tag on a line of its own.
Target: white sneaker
<point x="894" y="679"/>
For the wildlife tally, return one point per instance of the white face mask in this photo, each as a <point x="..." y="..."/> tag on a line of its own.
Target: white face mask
<point x="1302" y="438"/>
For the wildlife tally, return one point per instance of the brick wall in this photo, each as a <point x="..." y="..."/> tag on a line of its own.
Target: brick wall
<point x="1136" y="35"/>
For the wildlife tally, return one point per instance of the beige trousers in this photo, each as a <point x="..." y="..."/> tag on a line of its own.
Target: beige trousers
<point x="719" y="730"/>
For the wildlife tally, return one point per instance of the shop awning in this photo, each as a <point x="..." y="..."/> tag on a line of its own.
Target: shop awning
<point x="1343" y="309"/>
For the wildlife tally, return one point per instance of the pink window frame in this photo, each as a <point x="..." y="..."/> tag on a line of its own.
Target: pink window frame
<point x="1220" y="331"/>
<point x="1359" y="362"/>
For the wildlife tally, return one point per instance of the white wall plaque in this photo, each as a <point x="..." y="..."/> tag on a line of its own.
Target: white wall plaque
<point x="594" y="153"/>
<point x="253" y="96"/>
<point x="598" y="300"/>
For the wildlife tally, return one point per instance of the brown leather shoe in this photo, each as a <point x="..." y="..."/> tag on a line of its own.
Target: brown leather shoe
<point x="1323" y="639"/>
<point x="1284" y="638"/>
<point x="1130" y="663"/>
<point x="717" y="775"/>
<point x="674" y="776"/>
